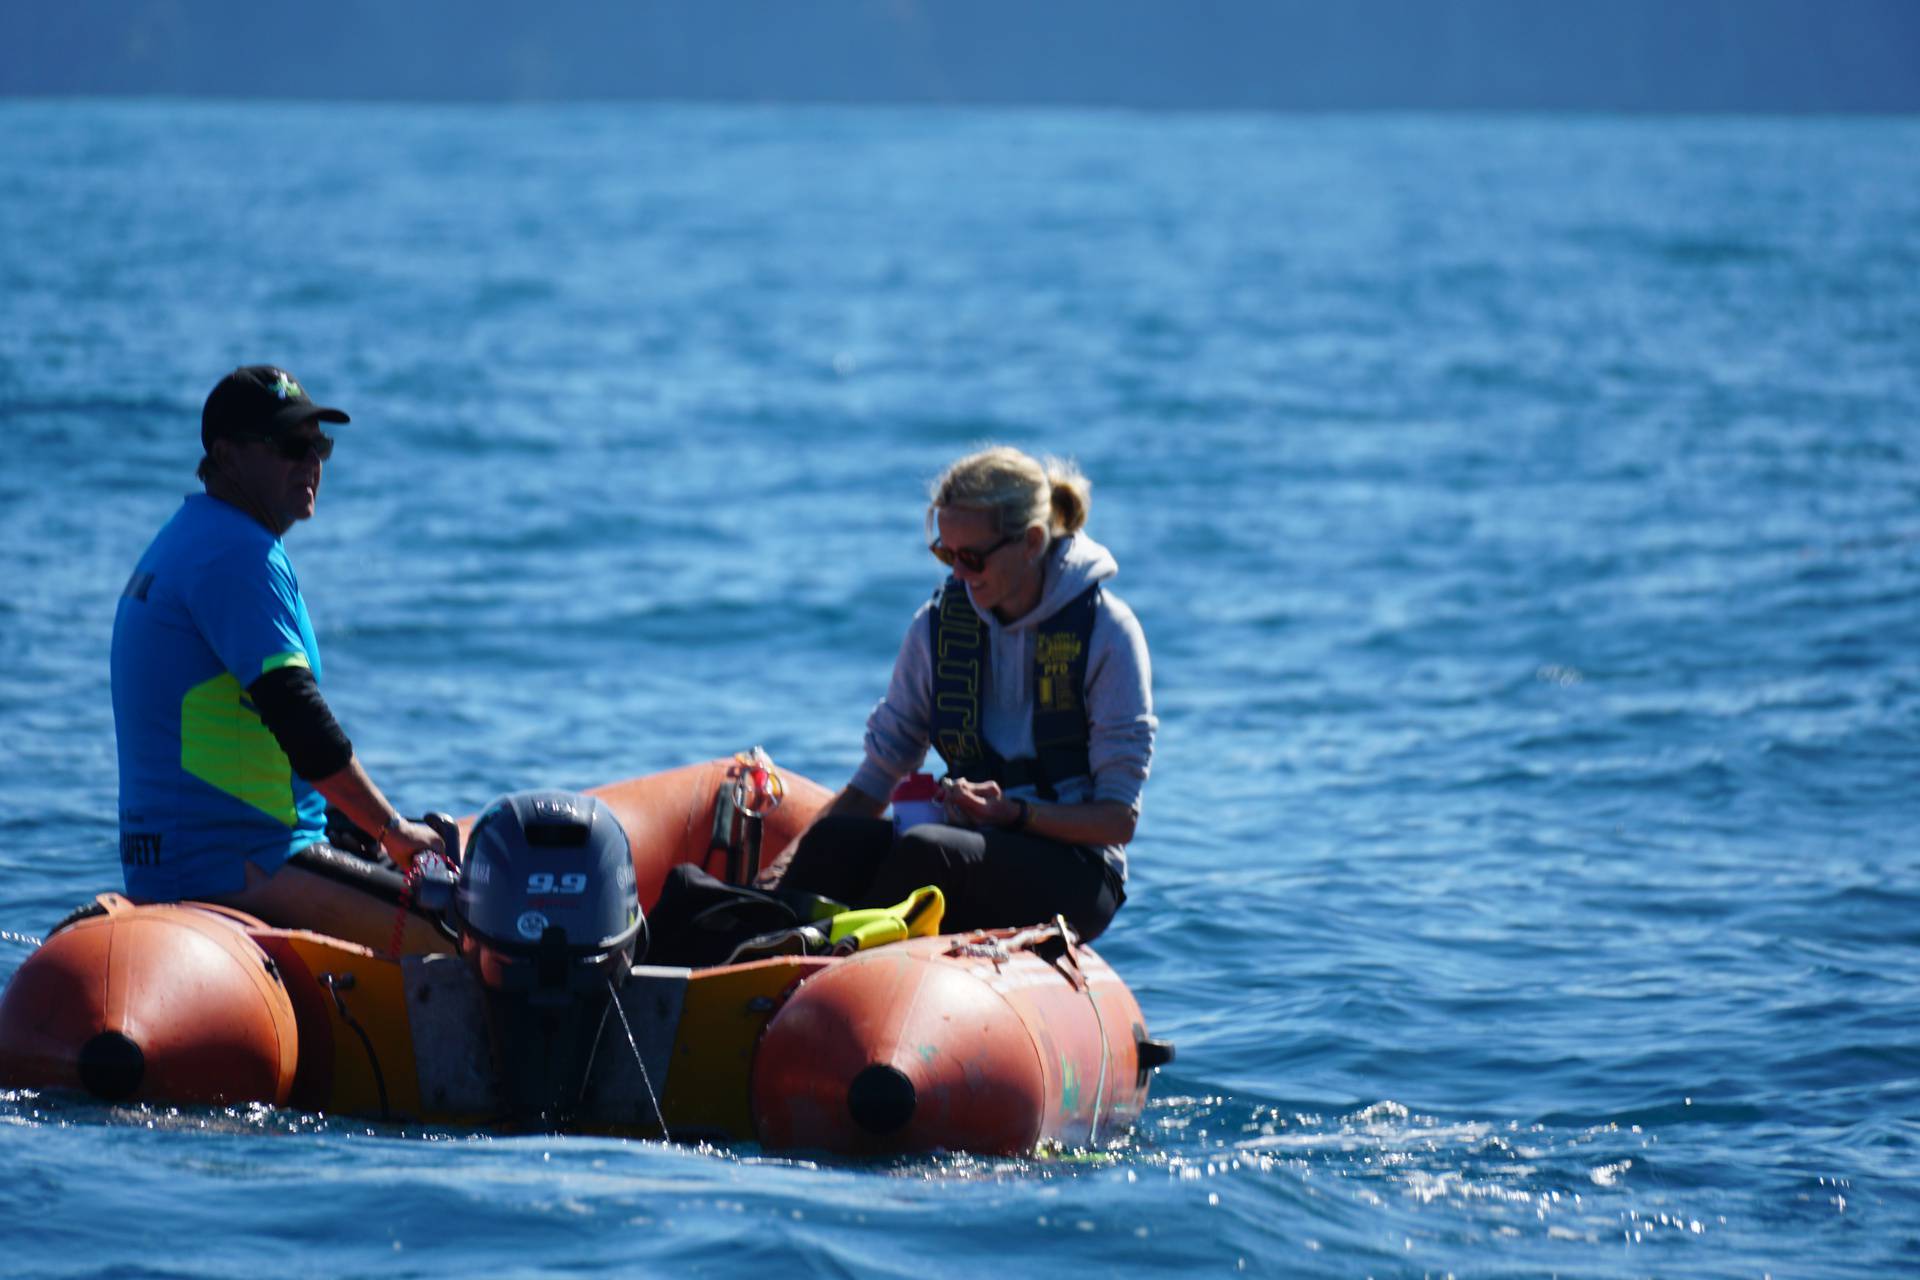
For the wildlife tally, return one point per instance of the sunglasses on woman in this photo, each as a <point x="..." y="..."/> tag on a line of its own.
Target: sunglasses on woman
<point x="294" y="448"/>
<point x="966" y="557"/>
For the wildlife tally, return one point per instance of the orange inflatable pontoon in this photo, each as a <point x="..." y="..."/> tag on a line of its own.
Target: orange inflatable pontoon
<point x="993" y="1042"/>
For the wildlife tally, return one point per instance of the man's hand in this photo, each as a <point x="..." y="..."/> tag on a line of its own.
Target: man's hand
<point x="406" y="838"/>
<point x="353" y="791"/>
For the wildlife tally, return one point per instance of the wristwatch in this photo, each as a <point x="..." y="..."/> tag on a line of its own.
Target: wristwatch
<point x="380" y="836"/>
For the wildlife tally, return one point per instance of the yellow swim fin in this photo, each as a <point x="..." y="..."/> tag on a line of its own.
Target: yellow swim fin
<point x="917" y="917"/>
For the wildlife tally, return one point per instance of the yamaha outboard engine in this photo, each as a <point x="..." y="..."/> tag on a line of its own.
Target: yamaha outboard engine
<point x="548" y="914"/>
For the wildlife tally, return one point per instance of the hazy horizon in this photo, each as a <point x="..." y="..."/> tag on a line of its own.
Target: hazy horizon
<point x="1630" y="56"/>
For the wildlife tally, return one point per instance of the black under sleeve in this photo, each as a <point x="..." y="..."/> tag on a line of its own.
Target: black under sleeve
<point x="294" y="712"/>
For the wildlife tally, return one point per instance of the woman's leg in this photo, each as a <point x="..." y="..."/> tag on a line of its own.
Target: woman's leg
<point x="839" y="856"/>
<point x="993" y="879"/>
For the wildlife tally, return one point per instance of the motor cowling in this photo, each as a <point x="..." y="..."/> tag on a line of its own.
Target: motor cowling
<point x="548" y="914"/>
<point x="547" y="905"/>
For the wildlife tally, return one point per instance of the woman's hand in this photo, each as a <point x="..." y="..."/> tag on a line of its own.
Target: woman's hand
<point x="981" y="804"/>
<point x="978" y="804"/>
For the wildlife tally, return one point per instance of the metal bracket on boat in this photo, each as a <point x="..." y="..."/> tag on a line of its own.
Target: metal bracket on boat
<point x="624" y="1087"/>
<point x="980" y="949"/>
<point x="997" y="945"/>
<point x="1057" y="944"/>
<point x="453" y="1054"/>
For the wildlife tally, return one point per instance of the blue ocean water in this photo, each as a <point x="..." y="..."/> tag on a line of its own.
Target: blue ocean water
<point x="1524" y="514"/>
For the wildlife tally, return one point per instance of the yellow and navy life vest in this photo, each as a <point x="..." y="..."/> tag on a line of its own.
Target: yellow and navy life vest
<point x="960" y="666"/>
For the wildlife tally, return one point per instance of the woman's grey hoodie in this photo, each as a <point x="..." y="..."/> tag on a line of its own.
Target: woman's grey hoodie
<point x="1119" y="700"/>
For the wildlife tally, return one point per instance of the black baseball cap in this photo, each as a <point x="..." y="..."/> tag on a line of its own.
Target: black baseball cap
<point x="259" y="400"/>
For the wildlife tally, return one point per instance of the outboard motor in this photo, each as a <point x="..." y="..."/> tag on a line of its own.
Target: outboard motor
<point x="548" y="914"/>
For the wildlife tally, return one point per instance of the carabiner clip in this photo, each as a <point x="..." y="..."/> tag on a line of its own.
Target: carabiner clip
<point x="758" y="788"/>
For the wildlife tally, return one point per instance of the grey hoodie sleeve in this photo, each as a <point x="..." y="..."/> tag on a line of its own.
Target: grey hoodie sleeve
<point x="901" y="724"/>
<point x="1121" y="723"/>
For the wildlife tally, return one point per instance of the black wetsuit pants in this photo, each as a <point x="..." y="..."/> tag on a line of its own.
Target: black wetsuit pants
<point x="990" y="878"/>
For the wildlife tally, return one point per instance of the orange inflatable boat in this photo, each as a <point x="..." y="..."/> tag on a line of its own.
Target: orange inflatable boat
<point x="993" y="1042"/>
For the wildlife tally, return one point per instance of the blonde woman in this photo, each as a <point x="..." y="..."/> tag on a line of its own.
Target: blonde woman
<point x="1031" y="680"/>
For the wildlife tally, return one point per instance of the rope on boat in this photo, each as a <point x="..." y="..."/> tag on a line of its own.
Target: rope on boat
<point x="1086" y="984"/>
<point x="408" y="887"/>
<point x="335" y="983"/>
<point x="613" y="998"/>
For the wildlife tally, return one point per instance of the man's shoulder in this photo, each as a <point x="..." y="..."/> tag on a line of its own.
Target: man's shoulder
<point x="206" y="516"/>
<point x="206" y="532"/>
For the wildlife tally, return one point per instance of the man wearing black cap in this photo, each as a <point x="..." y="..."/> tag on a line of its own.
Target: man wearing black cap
<point x="228" y="753"/>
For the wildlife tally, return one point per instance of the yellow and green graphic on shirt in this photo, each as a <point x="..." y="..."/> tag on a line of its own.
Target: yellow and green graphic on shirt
<point x="224" y="744"/>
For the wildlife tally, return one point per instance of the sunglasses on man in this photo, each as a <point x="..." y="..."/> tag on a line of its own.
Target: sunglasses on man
<point x="966" y="557"/>
<point x="296" y="448"/>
